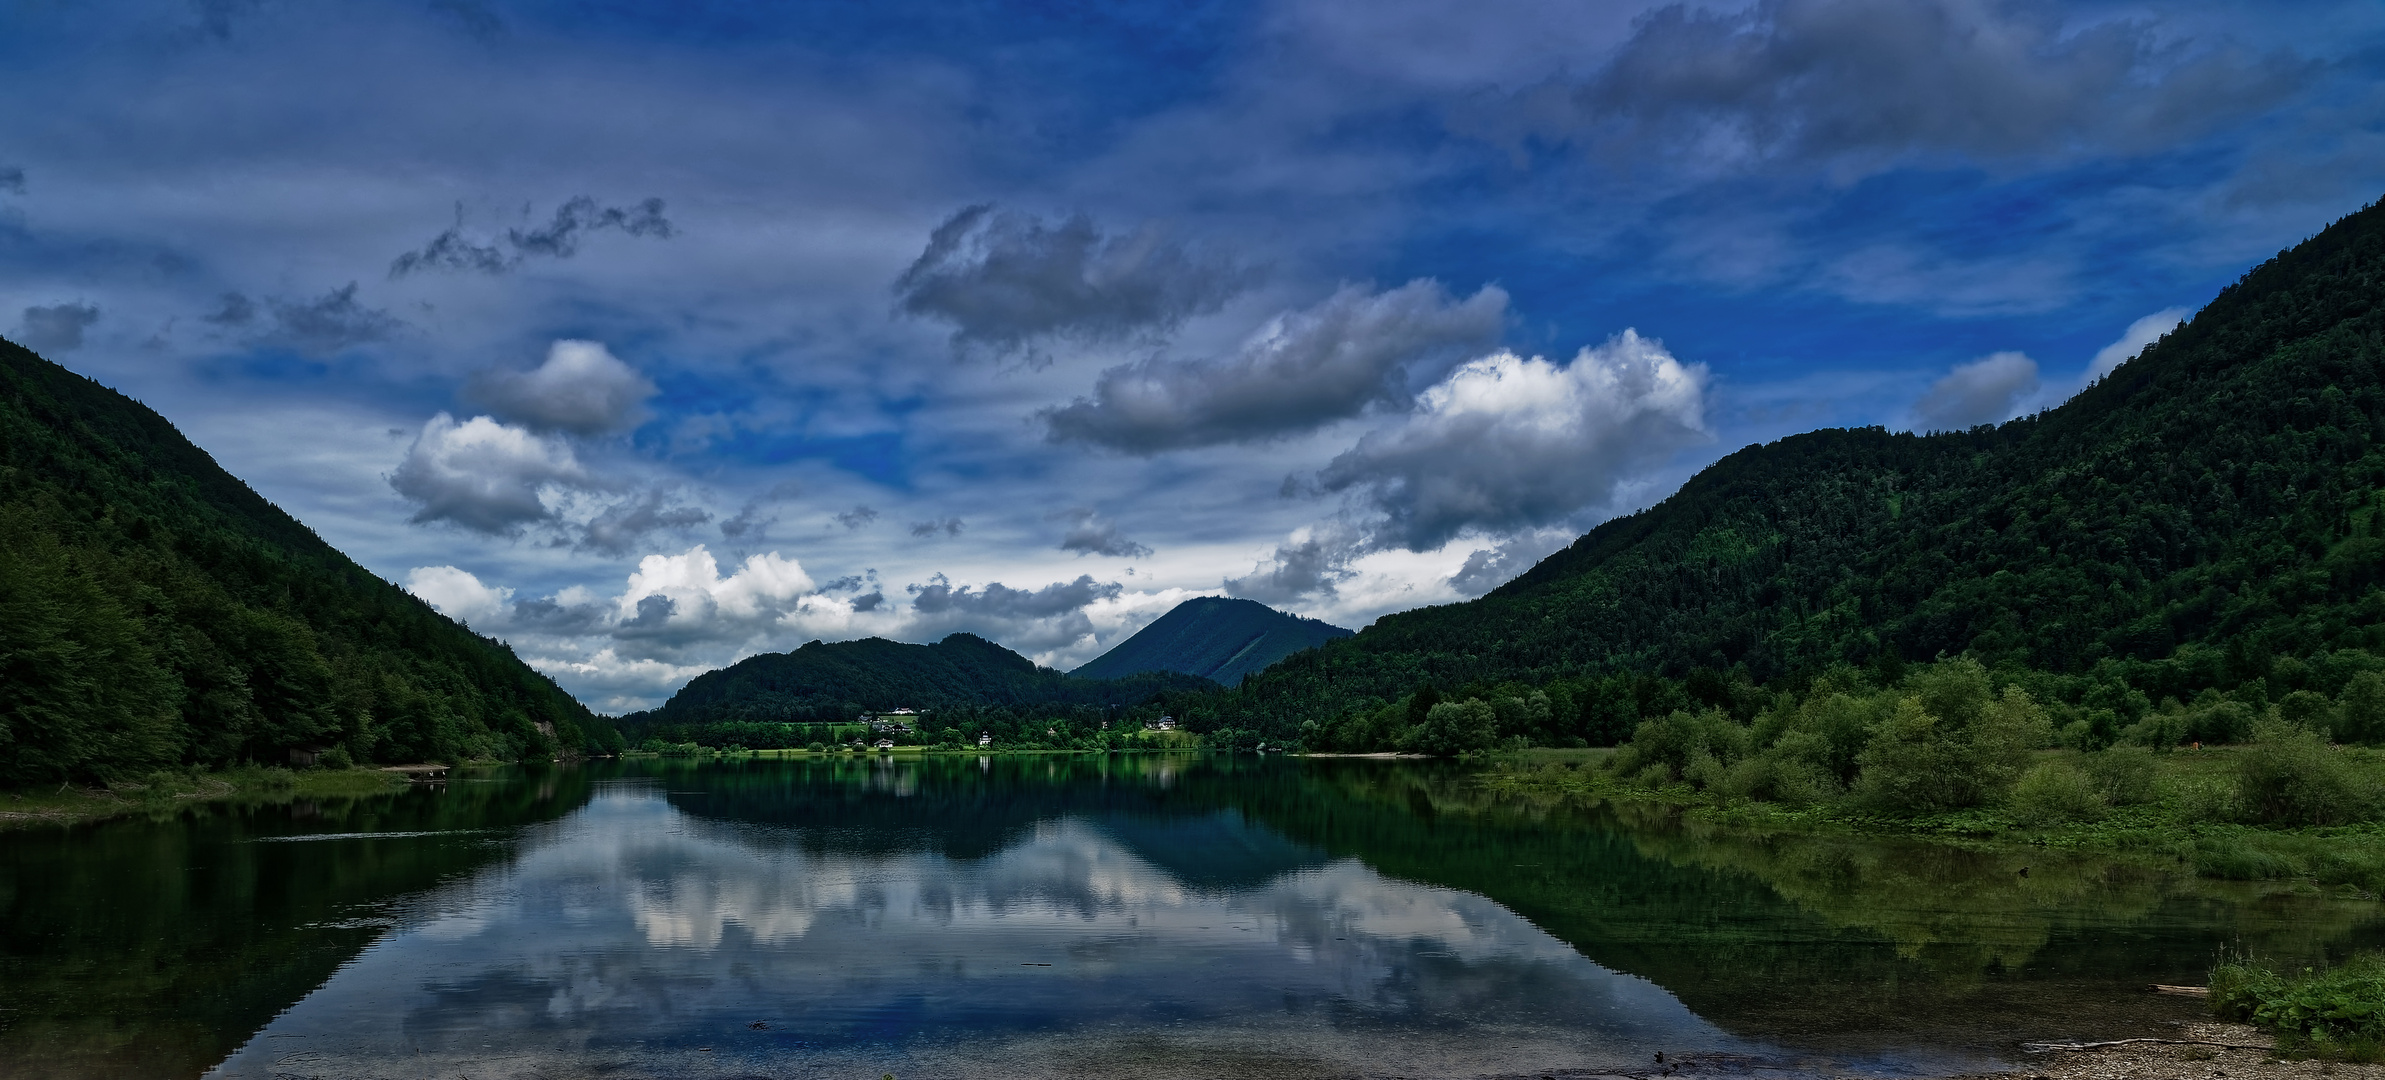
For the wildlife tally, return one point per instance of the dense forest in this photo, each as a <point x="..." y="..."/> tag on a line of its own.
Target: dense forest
<point x="157" y="613"/>
<point x="793" y="699"/>
<point x="1219" y="638"/>
<point x="2201" y="526"/>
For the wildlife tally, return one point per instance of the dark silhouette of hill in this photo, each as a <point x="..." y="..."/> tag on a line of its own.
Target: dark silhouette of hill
<point x="836" y="682"/>
<point x="1218" y="638"/>
<point x="156" y="612"/>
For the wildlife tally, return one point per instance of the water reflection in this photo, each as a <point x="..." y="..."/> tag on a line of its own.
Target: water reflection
<point x="1067" y="916"/>
<point x="636" y="936"/>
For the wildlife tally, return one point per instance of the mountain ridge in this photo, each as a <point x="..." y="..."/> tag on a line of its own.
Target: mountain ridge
<point x="2207" y="515"/>
<point x="1219" y="638"/>
<point x="156" y="612"/>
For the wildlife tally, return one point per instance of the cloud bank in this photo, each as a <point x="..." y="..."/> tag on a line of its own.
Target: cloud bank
<point x="1005" y="280"/>
<point x="1301" y="370"/>
<point x="1506" y="443"/>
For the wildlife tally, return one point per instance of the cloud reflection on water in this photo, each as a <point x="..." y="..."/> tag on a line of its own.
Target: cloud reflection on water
<point x="633" y="933"/>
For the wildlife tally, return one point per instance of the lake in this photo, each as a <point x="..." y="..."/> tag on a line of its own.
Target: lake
<point x="1051" y="915"/>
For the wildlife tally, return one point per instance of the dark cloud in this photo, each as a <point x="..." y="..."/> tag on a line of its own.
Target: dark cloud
<point x="215" y="16"/>
<point x="857" y="517"/>
<point x="327" y="324"/>
<point x="751" y="522"/>
<point x="1005" y="280"/>
<point x="869" y="601"/>
<point x="1310" y="566"/>
<point x="1488" y="568"/>
<point x="618" y="528"/>
<point x="950" y="526"/>
<point x="233" y="310"/>
<point x="12" y="179"/>
<point x="1301" y="370"/>
<point x="474" y="16"/>
<point x="547" y="616"/>
<point x="1989" y="390"/>
<point x="999" y="601"/>
<point x="1089" y="534"/>
<point x="559" y="238"/>
<point x="1507" y="444"/>
<point x="482" y="475"/>
<point x="1879" y="79"/>
<point x="581" y="389"/>
<point x="57" y="328"/>
<point x="653" y="620"/>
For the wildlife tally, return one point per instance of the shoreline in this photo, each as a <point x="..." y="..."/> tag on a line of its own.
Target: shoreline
<point x="68" y="805"/>
<point x="2197" y="1049"/>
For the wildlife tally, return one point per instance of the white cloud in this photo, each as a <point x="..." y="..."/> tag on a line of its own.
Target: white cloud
<point x="459" y="595"/>
<point x="483" y="475"/>
<point x="1505" y="443"/>
<point x="581" y="388"/>
<point x="1989" y="390"/>
<point x="2140" y="333"/>
<point x="765" y="587"/>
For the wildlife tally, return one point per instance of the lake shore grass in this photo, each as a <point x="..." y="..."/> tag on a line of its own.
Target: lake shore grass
<point x="169" y="792"/>
<point x="2188" y="817"/>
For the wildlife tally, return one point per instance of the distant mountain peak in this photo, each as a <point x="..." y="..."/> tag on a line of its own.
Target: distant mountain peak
<point x="1219" y="638"/>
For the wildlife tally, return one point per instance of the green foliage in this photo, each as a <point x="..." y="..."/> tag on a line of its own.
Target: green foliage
<point x="156" y="612"/>
<point x="2336" y="1011"/>
<point x="1452" y="728"/>
<point x="2056" y="792"/>
<point x="2290" y="776"/>
<point x="1949" y="744"/>
<point x="2205" y="518"/>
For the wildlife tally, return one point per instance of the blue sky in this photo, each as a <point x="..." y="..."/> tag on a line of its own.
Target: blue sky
<point x="649" y="336"/>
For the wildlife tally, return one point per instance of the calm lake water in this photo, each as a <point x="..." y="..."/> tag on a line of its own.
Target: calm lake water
<point x="1141" y="915"/>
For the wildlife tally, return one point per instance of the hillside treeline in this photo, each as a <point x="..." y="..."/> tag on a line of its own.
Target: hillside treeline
<point x="157" y="613"/>
<point x="2205" y="521"/>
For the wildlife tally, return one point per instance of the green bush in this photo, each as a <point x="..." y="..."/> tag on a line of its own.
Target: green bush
<point x="2123" y="775"/>
<point x="2290" y="776"/>
<point x="2056" y="792"/>
<point x="1950" y="744"/>
<point x="1452" y="728"/>
<point x="2335" y="1011"/>
<point x="336" y="758"/>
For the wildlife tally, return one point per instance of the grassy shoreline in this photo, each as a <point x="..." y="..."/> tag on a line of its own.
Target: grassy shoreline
<point x="2176" y="824"/>
<point x="168" y="793"/>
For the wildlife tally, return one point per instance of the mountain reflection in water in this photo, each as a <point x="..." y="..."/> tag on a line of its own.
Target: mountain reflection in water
<point x="1138" y="915"/>
<point x="637" y="936"/>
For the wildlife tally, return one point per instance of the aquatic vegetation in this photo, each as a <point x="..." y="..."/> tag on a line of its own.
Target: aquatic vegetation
<point x="2336" y="1011"/>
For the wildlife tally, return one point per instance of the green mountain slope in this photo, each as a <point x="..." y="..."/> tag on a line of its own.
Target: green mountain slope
<point x="821" y="683"/>
<point x="2208" y="516"/>
<point x="156" y="612"/>
<point x="1218" y="638"/>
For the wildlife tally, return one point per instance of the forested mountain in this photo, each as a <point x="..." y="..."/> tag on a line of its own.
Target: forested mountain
<point x="1218" y="638"/>
<point x="824" y="683"/>
<point x="155" y="612"/>
<point x="2207" y="517"/>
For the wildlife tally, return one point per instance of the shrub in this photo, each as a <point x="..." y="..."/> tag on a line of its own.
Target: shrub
<point x="2335" y="1011"/>
<point x="2056" y="792"/>
<point x="2290" y="776"/>
<point x="2123" y="775"/>
<point x="336" y="758"/>
<point x="1965" y="750"/>
<point x="2360" y="709"/>
<point x="1452" y="728"/>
